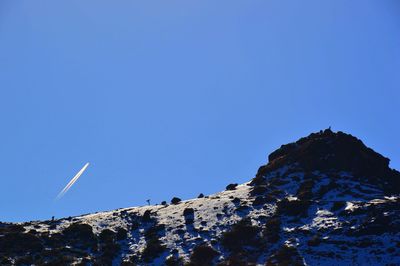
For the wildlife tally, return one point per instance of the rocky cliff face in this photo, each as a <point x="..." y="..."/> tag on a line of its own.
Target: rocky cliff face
<point x="326" y="199"/>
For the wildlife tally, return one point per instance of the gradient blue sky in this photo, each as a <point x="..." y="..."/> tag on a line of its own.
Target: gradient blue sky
<point x="174" y="98"/>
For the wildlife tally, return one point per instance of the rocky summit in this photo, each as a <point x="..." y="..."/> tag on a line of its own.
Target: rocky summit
<point x="326" y="199"/>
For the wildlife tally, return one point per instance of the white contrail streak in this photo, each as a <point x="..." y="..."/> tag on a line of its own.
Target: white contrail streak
<point x="73" y="180"/>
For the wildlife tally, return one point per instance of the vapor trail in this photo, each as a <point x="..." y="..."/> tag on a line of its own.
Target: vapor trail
<point x="70" y="183"/>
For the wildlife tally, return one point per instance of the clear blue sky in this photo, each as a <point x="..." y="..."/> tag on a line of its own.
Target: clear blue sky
<point x="174" y="98"/>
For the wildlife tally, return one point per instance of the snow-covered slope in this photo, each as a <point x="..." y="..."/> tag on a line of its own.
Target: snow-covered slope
<point x="323" y="200"/>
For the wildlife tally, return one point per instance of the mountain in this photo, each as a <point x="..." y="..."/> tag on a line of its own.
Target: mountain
<point x="326" y="199"/>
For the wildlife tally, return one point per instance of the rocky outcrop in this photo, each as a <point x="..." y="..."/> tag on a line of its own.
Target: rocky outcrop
<point x="327" y="152"/>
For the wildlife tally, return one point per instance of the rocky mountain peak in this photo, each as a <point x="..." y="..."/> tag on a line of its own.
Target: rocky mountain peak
<point x="329" y="151"/>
